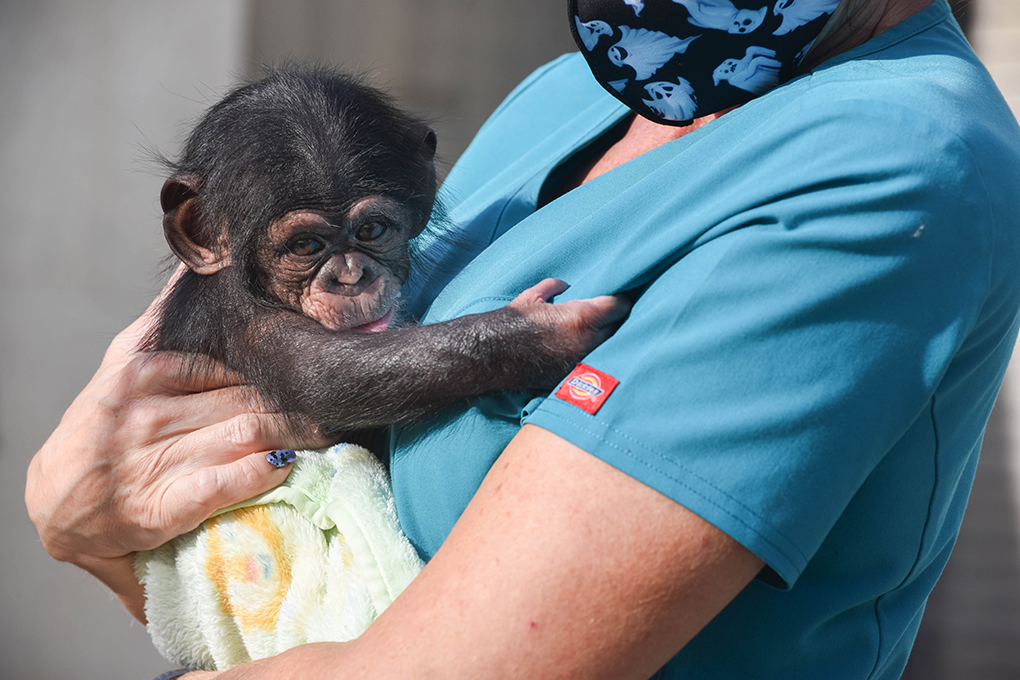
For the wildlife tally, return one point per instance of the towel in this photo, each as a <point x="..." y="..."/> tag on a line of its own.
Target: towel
<point x="315" y="559"/>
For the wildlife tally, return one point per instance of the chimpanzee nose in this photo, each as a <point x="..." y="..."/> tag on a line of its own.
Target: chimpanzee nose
<point x="348" y="270"/>
<point x="350" y="273"/>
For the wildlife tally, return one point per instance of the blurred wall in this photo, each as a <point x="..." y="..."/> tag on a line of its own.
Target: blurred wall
<point x="451" y="60"/>
<point x="87" y="87"/>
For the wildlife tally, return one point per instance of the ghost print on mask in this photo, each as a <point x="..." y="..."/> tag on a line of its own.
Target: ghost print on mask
<point x="797" y="13"/>
<point x="636" y="5"/>
<point x="672" y="101"/>
<point x="722" y="15"/>
<point x="670" y="60"/>
<point x="756" y="72"/>
<point x="591" y="31"/>
<point x="646" y="51"/>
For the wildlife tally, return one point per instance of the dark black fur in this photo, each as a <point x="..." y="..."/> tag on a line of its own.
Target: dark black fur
<point x="310" y="138"/>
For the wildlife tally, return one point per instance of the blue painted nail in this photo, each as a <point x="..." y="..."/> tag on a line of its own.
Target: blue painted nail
<point x="281" y="458"/>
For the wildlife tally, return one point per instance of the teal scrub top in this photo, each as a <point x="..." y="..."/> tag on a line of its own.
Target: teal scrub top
<point x="825" y="287"/>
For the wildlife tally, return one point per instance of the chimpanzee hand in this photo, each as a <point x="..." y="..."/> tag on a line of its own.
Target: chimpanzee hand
<point x="143" y="455"/>
<point x="569" y="330"/>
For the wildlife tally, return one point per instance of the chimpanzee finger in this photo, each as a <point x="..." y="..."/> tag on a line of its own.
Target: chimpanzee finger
<point x="602" y="311"/>
<point x="543" y="291"/>
<point x="582" y="325"/>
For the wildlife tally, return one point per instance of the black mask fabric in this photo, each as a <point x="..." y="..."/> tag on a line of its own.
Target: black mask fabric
<point x="675" y="60"/>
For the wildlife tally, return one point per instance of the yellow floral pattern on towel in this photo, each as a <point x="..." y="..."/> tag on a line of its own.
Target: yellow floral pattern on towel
<point x="247" y="563"/>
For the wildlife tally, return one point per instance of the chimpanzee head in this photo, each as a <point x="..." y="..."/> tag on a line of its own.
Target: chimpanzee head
<point x="304" y="188"/>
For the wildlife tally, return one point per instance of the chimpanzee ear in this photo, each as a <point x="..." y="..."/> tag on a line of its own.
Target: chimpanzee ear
<point x="429" y="143"/>
<point x="422" y="138"/>
<point x="182" y="225"/>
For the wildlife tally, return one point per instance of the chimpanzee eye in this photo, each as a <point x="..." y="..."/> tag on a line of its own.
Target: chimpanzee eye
<point x="305" y="246"/>
<point x="370" y="231"/>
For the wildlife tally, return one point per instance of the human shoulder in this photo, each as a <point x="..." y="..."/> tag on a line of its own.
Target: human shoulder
<point x="925" y="81"/>
<point x="912" y="111"/>
<point x="562" y="95"/>
<point x="562" y="83"/>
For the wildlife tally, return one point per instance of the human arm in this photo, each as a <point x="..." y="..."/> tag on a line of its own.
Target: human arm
<point x="561" y="566"/>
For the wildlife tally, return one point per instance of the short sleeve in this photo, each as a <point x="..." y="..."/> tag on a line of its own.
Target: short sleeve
<point x="765" y="373"/>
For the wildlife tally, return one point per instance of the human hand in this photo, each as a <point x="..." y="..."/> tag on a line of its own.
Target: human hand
<point x="144" y="454"/>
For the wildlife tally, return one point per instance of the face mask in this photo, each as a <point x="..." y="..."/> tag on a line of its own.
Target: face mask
<point x="675" y="60"/>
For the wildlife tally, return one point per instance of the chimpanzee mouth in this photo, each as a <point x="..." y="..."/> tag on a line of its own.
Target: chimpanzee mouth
<point x="380" y="324"/>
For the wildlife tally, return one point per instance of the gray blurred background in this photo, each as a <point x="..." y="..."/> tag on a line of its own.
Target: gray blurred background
<point x="86" y="87"/>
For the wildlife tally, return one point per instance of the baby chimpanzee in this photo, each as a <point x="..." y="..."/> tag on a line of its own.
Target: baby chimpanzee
<point x="292" y="206"/>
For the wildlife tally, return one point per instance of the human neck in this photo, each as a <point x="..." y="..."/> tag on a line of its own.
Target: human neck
<point x="642" y="135"/>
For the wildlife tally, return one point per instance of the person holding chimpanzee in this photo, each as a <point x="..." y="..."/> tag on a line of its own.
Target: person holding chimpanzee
<point x="762" y="472"/>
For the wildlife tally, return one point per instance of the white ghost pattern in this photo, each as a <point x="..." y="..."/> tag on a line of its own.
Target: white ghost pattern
<point x="646" y="51"/>
<point x="757" y="72"/>
<point x="722" y="15"/>
<point x="591" y="32"/>
<point x="672" y="101"/>
<point x="796" y="13"/>
<point x="638" y="5"/>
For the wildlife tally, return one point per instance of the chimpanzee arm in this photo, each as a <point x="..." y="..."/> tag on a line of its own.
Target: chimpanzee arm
<point x="351" y="381"/>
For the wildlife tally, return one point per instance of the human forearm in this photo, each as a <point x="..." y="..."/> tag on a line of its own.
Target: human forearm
<point x="315" y="661"/>
<point x="562" y="566"/>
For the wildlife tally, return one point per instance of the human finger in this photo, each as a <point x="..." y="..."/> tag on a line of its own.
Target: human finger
<point x="169" y="417"/>
<point x="175" y="373"/>
<point x="129" y="339"/>
<point x="216" y="467"/>
<point x="236" y="437"/>
<point x="194" y="497"/>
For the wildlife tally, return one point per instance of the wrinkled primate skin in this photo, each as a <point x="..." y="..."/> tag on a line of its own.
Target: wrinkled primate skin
<point x="292" y="205"/>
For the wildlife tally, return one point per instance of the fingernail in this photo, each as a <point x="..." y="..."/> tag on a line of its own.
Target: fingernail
<point x="281" y="458"/>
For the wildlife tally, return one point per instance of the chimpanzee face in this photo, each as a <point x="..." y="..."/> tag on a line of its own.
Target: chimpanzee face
<point x="301" y="190"/>
<point x="344" y="271"/>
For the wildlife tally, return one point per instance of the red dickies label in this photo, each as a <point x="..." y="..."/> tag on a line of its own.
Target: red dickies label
<point x="587" y="388"/>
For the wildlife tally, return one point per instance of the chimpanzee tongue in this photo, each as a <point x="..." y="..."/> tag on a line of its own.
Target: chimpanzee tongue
<point x="380" y="324"/>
